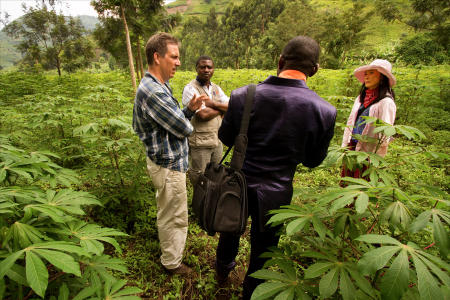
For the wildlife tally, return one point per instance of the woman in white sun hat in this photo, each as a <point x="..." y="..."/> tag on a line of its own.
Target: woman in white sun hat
<point x="376" y="99"/>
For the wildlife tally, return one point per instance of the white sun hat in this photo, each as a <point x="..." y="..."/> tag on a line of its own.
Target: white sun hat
<point x="381" y="65"/>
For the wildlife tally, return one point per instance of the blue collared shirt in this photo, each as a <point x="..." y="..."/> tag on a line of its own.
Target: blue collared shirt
<point x="161" y="124"/>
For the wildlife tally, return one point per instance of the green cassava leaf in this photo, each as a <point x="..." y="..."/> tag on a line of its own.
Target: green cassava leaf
<point x="441" y="236"/>
<point x="271" y="275"/>
<point x="319" y="227"/>
<point x="344" y="199"/>
<point x="267" y="290"/>
<point x="61" y="246"/>
<point x="17" y="273"/>
<point x="60" y="260"/>
<point x="397" y="214"/>
<point x="361" y="203"/>
<point x="297" y="225"/>
<point x="86" y="292"/>
<point x="317" y="269"/>
<point x="362" y="282"/>
<point x="346" y="286"/>
<point x="420" y="222"/>
<point x="378" y="239"/>
<point x="376" y="259"/>
<point x="329" y="283"/>
<point x="396" y="279"/>
<point x="288" y="268"/>
<point x="281" y="217"/>
<point x="287" y="294"/>
<point x="37" y="274"/>
<point x="442" y="275"/>
<point x="63" y="292"/>
<point x="8" y="262"/>
<point x="428" y="287"/>
<point x="26" y="234"/>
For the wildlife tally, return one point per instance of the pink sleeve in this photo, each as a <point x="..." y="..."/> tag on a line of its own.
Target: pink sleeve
<point x="387" y="110"/>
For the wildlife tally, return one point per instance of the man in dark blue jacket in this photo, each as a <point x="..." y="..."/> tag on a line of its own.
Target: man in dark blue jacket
<point x="289" y="125"/>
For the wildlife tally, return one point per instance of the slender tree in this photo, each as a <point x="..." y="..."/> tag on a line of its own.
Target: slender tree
<point x="115" y="8"/>
<point x="46" y="36"/>
<point x="137" y="17"/>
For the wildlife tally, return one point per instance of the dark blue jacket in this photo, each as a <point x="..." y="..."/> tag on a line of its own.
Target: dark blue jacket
<point x="289" y="125"/>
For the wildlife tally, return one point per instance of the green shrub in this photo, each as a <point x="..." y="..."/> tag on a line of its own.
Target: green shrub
<point x="368" y="240"/>
<point x="422" y="49"/>
<point x="46" y="248"/>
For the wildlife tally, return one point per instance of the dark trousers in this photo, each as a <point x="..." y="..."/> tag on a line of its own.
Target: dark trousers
<point x="261" y="237"/>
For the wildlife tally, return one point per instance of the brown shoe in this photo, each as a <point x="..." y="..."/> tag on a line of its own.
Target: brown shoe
<point x="180" y="270"/>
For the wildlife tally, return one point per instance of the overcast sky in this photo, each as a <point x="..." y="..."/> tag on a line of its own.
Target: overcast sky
<point x="69" y="7"/>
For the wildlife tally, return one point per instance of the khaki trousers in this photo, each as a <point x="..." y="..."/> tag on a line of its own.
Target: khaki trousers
<point x="200" y="157"/>
<point x="172" y="214"/>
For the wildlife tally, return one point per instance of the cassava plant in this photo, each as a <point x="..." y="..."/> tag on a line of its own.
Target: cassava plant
<point x="366" y="239"/>
<point x="46" y="249"/>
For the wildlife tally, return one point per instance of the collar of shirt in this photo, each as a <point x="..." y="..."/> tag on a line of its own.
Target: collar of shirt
<point x="207" y="88"/>
<point x="293" y="74"/>
<point x="165" y="86"/>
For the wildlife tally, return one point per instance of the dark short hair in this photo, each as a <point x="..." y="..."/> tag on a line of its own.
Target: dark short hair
<point x="301" y="53"/>
<point x="202" y="57"/>
<point x="157" y="43"/>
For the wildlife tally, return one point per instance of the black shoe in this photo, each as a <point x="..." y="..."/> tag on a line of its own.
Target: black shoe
<point x="222" y="272"/>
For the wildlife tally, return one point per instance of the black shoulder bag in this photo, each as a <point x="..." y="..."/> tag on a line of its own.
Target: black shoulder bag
<point x="220" y="201"/>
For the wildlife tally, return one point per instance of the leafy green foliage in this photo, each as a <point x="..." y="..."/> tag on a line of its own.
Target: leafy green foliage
<point x="335" y="228"/>
<point x="82" y="119"/>
<point x="42" y="238"/>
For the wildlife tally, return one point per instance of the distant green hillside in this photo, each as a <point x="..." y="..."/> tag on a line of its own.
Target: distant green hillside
<point x="199" y="7"/>
<point x="381" y="36"/>
<point x="9" y="54"/>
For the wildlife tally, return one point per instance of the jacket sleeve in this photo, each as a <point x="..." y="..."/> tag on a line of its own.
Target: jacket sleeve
<point x="350" y="123"/>
<point x="387" y="111"/>
<point x="318" y="149"/>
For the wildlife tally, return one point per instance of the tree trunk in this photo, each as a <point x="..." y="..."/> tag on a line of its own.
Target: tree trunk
<point x="58" y="65"/>
<point x="138" y="70"/>
<point x="141" y="65"/>
<point x="130" y="54"/>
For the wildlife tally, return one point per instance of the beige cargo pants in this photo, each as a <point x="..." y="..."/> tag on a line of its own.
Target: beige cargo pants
<point x="199" y="157"/>
<point x="172" y="213"/>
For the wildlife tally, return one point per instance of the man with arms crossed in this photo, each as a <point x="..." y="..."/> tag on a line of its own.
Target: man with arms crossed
<point x="163" y="128"/>
<point x="204" y="144"/>
<point x="289" y="124"/>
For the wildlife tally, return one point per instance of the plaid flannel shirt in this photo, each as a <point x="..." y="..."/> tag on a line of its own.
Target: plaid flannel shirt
<point x="161" y="125"/>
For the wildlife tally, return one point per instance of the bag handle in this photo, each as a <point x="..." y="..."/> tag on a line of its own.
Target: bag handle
<point x="240" y="142"/>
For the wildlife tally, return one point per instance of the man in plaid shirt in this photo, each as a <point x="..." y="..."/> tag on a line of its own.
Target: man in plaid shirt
<point x="163" y="128"/>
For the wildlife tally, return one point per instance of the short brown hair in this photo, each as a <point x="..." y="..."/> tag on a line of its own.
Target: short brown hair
<point x="157" y="43"/>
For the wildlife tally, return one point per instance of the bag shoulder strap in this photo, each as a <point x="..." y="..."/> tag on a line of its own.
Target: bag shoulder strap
<point x="247" y="108"/>
<point x="240" y="148"/>
<point x="240" y="142"/>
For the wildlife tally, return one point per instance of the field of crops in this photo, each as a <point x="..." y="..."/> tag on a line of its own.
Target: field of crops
<point x="82" y="122"/>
